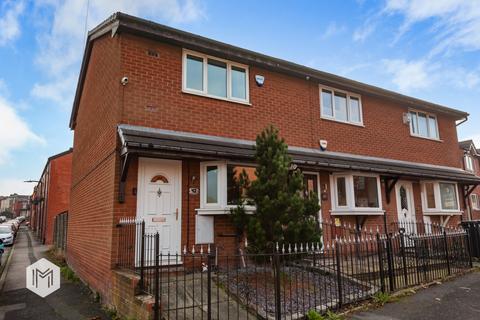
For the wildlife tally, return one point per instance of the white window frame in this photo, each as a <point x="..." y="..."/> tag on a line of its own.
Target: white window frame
<point x="469" y="163"/>
<point x="221" y="207"/>
<point x="204" y="92"/>
<point x="348" y="95"/>
<point x="438" y="210"/>
<point x="350" y="208"/>
<point x="429" y="115"/>
<point x="475" y="201"/>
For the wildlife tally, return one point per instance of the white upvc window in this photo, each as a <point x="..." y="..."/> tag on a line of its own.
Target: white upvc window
<point x="475" y="200"/>
<point x="440" y="197"/>
<point x="469" y="166"/>
<point x="219" y="187"/>
<point x="356" y="193"/>
<point x="340" y="106"/>
<point x="423" y="125"/>
<point x="214" y="77"/>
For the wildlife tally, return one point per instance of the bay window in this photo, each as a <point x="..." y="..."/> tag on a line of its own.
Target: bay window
<point x="440" y="197"/>
<point x="356" y="193"/>
<point x="214" y="77"/>
<point x="340" y="106"/>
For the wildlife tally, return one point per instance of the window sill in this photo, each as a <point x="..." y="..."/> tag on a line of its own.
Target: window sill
<point x="246" y="103"/>
<point x="352" y="212"/>
<point x="425" y="138"/>
<point x="443" y="213"/>
<point x="361" y="125"/>
<point x="219" y="211"/>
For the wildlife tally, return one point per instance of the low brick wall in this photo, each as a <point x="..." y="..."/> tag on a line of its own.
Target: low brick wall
<point x="125" y="300"/>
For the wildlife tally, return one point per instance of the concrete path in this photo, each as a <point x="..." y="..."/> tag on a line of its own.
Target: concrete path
<point x="71" y="301"/>
<point x="456" y="299"/>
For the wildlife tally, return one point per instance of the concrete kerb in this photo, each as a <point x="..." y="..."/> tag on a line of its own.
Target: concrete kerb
<point x="409" y="291"/>
<point x="4" y="271"/>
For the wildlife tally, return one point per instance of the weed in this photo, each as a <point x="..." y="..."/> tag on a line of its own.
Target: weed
<point x="380" y="298"/>
<point x="69" y="274"/>
<point x="330" y="315"/>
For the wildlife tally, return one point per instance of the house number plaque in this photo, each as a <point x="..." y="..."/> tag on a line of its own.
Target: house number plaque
<point x="159" y="219"/>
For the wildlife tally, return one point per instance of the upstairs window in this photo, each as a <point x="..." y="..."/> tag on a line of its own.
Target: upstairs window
<point x="469" y="163"/>
<point x="423" y="125"/>
<point x="214" y="77"/>
<point x="340" y="106"/>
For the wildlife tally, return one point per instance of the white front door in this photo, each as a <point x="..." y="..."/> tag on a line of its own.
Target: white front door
<point x="406" y="206"/>
<point x="159" y="201"/>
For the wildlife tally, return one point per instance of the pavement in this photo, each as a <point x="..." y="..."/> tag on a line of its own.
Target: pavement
<point x="455" y="299"/>
<point x="73" y="301"/>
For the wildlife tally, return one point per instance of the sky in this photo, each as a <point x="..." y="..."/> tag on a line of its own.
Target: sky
<point x="426" y="49"/>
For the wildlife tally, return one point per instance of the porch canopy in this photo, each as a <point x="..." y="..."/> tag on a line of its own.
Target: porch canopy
<point x="151" y="142"/>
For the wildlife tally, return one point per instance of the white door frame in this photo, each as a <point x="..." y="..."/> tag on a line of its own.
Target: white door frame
<point x="410" y="195"/>
<point x="143" y="163"/>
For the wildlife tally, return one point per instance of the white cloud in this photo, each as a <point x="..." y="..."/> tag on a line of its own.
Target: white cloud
<point x="457" y="23"/>
<point x="61" y="46"/>
<point x="9" y="186"/>
<point x="9" y="21"/>
<point x="362" y="33"/>
<point x="409" y="75"/>
<point x="14" y="131"/>
<point x="333" y="29"/>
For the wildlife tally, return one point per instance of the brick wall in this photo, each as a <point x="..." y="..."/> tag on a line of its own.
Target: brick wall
<point x="59" y="192"/>
<point x="153" y="98"/>
<point x="94" y="168"/>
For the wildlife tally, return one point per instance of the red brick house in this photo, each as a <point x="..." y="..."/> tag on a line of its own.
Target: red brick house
<point x="471" y="163"/>
<point x="51" y="195"/>
<point x="163" y="118"/>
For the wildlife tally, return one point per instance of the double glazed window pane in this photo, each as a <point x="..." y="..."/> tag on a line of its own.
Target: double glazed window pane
<point x="366" y="192"/>
<point x="217" y="78"/>
<point x="239" y="81"/>
<point x="422" y="125"/>
<point x="341" y="107"/>
<point x="354" y="110"/>
<point x="194" y="73"/>
<point x="212" y="184"/>
<point x="430" y="192"/>
<point x="327" y="108"/>
<point x="235" y="189"/>
<point x="432" y="127"/>
<point x="341" y="192"/>
<point x="448" y="196"/>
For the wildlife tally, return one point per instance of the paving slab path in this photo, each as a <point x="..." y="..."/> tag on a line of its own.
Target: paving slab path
<point x="455" y="299"/>
<point x="72" y="301"/>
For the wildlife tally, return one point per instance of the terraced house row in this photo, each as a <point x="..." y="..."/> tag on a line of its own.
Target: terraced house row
<point x="163" y="119"/>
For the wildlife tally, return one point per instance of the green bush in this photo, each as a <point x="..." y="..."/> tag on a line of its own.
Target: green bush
<point x="381" y="298"/>
<point x="330" y="315"/>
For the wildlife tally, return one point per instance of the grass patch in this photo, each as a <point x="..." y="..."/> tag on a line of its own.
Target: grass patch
<point x="68" y="274"/>
<point x="381" y="298"/>
<point x="330" y="315"/>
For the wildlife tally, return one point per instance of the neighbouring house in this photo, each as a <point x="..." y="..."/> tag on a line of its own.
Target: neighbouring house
<point x="15" y="205"/>
<point x="471" y="163"/>
<point x="164" y="119"/>
<point x="51" y="196"/>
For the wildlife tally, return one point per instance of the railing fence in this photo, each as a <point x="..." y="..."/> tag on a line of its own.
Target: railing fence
<point x="204" y="283"/>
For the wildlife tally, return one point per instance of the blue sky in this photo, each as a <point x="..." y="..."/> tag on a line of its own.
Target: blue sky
<point x="426" y="49"/>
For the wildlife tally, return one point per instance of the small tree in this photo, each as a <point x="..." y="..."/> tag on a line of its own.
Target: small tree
<point x="284" y="213"/>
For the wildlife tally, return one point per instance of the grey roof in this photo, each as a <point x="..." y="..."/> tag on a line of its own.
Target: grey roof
<point x="120" y="22"/>
<point x="466" y="144"/>
<point x="158" y="142"/>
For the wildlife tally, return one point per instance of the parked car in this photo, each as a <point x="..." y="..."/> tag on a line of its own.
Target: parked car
<point x="6" y="235"/>
<point x="3" y="219"/>
<point x="12" y="225"/>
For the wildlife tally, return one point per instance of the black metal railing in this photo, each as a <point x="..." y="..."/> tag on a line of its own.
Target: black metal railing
<point x="204" y="282"/>
<point x="473" y="229"/>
